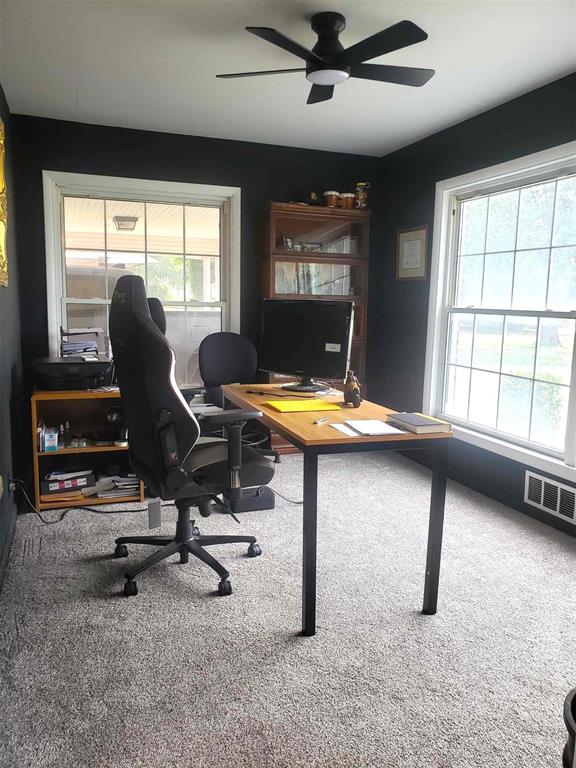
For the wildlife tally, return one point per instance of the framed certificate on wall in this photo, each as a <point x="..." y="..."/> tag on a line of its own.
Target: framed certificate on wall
<point x="411" y="255"/>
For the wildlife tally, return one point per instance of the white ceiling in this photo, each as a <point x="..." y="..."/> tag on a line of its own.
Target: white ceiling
<point x="150" y="64"/>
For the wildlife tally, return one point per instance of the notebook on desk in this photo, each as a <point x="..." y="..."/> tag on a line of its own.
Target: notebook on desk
<point x="295" y="406"/>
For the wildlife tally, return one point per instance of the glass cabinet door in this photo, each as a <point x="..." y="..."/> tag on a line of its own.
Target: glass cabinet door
<point x="303" y="278"/>
<point x="293" y="235"/>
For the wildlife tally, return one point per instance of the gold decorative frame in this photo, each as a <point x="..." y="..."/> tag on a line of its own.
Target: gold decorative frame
<point x="3" y="213"/>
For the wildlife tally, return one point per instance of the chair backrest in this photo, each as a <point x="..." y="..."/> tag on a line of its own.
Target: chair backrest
<point x="161" y="428"/>
<point x="226" y="358"/>
<point x="157" y="313"/>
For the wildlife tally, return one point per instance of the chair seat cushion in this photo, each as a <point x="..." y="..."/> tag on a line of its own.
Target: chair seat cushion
<point x="208" y="462"/>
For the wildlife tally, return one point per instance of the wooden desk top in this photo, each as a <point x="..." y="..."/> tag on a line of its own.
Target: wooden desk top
<point x="300" y="427"/>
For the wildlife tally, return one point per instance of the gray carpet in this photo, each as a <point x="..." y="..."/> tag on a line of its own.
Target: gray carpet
<point x="179" y="677"/>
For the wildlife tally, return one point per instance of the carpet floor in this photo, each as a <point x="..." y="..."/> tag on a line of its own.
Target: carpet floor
<point x="179" y="677"/>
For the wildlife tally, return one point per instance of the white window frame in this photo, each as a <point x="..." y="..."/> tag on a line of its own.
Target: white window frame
<point x="531" y="168"/>
<point x="57" y="184"/>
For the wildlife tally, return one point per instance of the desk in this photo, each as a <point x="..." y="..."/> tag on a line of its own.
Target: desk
<point x="317" y="440"/>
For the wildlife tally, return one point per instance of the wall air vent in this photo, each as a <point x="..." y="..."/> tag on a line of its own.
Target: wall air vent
<point x="550" y="496"/>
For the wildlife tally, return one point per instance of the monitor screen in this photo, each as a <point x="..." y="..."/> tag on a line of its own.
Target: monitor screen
<point x="308" y="339"/>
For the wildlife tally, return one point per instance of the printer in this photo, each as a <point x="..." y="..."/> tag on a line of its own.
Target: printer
<point x="73" y="372"/>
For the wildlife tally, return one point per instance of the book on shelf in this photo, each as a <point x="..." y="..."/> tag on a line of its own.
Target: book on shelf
<point x="56" y="483"/>
<point x="419" y="423"/>
<point x="109" y="486"/>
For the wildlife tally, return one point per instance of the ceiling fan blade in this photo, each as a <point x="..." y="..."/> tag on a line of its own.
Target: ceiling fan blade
<point x="266" y="72"/>
<point x="320" y="93"/>
<point x="385" y="74"/>
<point x="277" y="38"/>
<point x="392" y="39"/>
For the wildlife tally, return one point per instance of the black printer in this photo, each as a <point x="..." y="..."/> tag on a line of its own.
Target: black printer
<point x="76" y="372"/>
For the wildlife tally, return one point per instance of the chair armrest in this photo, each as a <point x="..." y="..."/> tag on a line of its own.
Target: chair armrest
<point x="233" y="416"/>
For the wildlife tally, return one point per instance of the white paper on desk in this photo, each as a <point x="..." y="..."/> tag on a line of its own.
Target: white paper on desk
<point x="373" y="427"/>
<point x="345" y="429"/>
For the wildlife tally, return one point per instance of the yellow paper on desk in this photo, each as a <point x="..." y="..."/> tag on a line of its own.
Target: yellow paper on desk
<point x="294" y="406"/>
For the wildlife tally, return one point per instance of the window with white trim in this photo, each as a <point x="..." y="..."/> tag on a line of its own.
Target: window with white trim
<point x="178" y="245"/>
<point x="506" y="310"/>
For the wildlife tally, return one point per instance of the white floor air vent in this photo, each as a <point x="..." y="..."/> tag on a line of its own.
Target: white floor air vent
<point x="550" y="496"/>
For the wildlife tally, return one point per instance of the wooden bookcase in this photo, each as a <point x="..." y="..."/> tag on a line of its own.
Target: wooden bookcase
<point x="315" y="252"/>
<point x="86" y="412"/>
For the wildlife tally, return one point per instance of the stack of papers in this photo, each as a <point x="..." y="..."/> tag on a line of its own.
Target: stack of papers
<point x="364" y="427"/>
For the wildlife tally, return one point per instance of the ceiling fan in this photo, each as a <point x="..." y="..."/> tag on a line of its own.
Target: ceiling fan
<point x="329" y="63"/>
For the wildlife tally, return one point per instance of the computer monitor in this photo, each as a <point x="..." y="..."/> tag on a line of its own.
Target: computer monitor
<point x="310" y="339"/>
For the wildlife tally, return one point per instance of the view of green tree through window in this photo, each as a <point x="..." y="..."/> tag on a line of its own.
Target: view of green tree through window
<point x="512" y="313"/>
<point x="175" y="247"/>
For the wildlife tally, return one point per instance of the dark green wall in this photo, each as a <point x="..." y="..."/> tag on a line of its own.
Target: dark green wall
<point x="10" y="402"/>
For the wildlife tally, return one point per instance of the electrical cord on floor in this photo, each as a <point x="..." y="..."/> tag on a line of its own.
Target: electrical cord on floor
<point x="20" y="486"/>
<point x="290" y="501"/>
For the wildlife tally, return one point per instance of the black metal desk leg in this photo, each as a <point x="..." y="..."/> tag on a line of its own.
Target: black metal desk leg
<point x="435" y="527"/>
<point x="309" y="543"/>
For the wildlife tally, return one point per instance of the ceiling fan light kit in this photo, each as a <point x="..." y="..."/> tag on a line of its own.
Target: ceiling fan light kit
<point x="329" y="63"/>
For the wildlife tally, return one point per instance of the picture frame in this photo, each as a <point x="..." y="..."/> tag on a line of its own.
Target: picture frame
<point x="412" y="253"/>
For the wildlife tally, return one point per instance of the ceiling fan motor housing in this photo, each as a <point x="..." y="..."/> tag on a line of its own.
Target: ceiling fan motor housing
<point x="328" y="26"/>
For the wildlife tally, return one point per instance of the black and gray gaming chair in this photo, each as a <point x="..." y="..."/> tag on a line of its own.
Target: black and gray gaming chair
<point x="166" y="450"/>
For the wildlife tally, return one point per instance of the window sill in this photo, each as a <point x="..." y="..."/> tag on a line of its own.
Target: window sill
<point x="532" y="458"/>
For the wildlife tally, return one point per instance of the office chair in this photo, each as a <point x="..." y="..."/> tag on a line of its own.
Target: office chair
<point x="165" y="447"/>
<point x="227" y="358"/>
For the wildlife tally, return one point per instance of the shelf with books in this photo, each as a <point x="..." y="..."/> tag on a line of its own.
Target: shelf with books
<point x="86" y="411"/>
<point x="88" y="501"/>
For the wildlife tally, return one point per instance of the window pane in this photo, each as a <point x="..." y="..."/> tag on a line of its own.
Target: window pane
<point x="164" y="228"/>
<point x="124" y="263"/>
<point x="87" y="316"/>
<point x="85" y="274"/>
<point x="514" y="406"/>
<point x="83" y="223"/>
<point x="488" y="342"/>
<point x="562" y="282"/>
<point x="185" y="329"/>
<point x="535" y="219"/>
<point x="473" y="227"/>
<point x="483" y="398"/>
<point x="549" y="411"/>
<point x="165" y="277"/>
<point x="460" y="339"/>
<point x="555" y="345"/>
<point x="469" y="287"/>
<point x="530" y="278"/>
<point x="124" y="225"/>
<point x="519" y="346"/>
<point x="498" y="272"/>
<point x="202" y="278"/>
<point x="565" y="215"/>
<point x="202" y="230"/>
<point x="456" y="391"/>
<point x="502" y="219"/>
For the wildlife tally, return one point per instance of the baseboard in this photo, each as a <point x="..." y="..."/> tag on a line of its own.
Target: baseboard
<point x="6" y="548"/>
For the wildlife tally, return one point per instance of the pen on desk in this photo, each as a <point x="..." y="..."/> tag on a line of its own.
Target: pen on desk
<point x="277" y="394"/>
<point x="321" y="420"/>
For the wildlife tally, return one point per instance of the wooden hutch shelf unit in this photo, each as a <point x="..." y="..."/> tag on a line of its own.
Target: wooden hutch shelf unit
<point x="315" y="252"/>
<point x="86" y="412"/>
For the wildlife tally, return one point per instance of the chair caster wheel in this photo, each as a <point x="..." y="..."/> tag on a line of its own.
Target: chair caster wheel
<point x="130" y="588"/>
<point x="184" y="557"/>
<point x="224" y="588"/>
<point x="195" y="531"/>
<point x="121" y="550"/>
<point x="254" y="550"/>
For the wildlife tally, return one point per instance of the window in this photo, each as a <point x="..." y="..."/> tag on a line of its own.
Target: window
<point x="501" y="359"/>
<point x="177" y="239"/>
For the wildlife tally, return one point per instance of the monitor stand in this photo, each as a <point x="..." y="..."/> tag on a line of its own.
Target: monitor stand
<point x="305" y="384"/>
